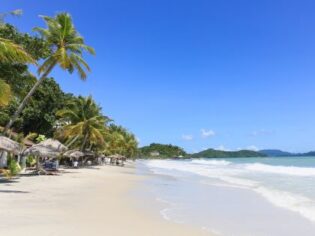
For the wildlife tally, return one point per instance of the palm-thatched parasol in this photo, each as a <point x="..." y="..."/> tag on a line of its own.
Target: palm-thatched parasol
<point x="48" y="148"/>
<point x="74" y="154"/>
<point x="9" y="145"/>
<point x="116" y="156"/>
<point x="53" y="144"/>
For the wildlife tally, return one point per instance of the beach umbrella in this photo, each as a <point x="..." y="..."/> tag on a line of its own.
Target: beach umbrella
<point x="74" y="154"/>
<point x="53" y="144"/>
<point x="9" y="145"/>
<point x="41" y="151"/>
<point x="116" y="156"/>
<point x="49" y="148"/>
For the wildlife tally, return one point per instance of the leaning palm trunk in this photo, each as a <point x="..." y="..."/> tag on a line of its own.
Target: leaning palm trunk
<point x="84" y="142"/>
<point x="72" y="141"/>
<point x="27" y="97"/>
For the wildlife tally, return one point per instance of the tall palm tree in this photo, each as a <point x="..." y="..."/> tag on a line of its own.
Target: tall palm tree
<point x="84" y="123"/>
<point x="67" y="48"/>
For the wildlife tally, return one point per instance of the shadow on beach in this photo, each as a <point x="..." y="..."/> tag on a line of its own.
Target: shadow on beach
<point x="13" y="191"/>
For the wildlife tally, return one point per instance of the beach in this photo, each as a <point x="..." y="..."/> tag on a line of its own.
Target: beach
<point x="89" y="201"/>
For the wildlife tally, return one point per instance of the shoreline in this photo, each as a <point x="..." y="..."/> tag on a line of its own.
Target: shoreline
<point x="214" y="203"/>
<point x="90" y="201"/>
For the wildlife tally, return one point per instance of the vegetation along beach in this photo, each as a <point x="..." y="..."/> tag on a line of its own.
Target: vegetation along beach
<point x="140" y="118"/>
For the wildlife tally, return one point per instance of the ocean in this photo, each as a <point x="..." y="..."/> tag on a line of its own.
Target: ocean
<point x="237" y="196"/>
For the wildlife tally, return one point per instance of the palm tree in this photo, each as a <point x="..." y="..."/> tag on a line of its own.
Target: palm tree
<point x="84" y="123"/>
<point x="67" y="48"/>
<point x="120" y="141"/>
<point x="13" y="53"/>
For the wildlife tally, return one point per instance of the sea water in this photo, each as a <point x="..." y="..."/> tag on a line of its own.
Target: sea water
<point x="238" y="196"/>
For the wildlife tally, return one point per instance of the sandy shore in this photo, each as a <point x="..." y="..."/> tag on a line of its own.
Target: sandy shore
<point x="94" y="201"/>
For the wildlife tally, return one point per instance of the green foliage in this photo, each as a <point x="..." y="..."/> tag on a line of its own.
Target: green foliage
<point x="14" y="167"/>
<point x="17" y="74"/>
<point x="156" y="150"/>
<point x="39" y="115"/>
<point x="5" y="93"/>
<point x="211" y="153"/>
<point x="36" y="47"/>
<point x="30" y="161"/>
<point x="118" y="140"/>
<point x="84" y="121"/>
<point x="40" y="138"/>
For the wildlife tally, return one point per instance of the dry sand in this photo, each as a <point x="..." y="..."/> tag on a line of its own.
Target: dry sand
<point x="82" y="202"/>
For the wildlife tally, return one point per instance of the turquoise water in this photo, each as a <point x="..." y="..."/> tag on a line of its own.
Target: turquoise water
<point x="284" y="185"/>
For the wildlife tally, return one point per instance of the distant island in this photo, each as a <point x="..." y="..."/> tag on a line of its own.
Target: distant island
<point x="212" y="153"/>
<point x="279" y="153"/>
<point x="155" y="151"/>
<point x="163" y="151"/>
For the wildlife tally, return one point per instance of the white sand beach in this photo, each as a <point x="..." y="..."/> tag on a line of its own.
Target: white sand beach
<point x="93" y="202"/>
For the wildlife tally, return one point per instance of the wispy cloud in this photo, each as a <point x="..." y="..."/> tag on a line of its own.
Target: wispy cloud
<point x="207" y="133"/>
<point x="261" y="132"/>
<point x="252" y="148"/>
<point x="187" y="137"/>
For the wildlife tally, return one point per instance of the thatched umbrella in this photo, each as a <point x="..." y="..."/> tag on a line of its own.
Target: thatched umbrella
<point x="41" y="151"/>
<point x="9" y="145"/>
<point x="50" y="148"/>
<point x="47" y="148"/>
<point x="116" y="158"/>
<point x="74" y="154"/>
<point x="53" y="144"/>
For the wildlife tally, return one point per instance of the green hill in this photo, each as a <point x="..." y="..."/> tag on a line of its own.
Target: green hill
<point x="212" y="153"/>
<point x="156" y="150"/>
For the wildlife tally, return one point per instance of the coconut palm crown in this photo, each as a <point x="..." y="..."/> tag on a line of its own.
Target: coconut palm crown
<point x="85" y="124"/>
<point x="66" y="44"/>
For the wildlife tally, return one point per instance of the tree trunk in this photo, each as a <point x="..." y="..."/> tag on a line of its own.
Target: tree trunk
<point x="3" y="159"/>
<point x="23" y="162"/>
<point x="27" y="97"/>
<point x="72" y="141"/>
<point x="84" y="142"/>
<point x="37" y="163"/>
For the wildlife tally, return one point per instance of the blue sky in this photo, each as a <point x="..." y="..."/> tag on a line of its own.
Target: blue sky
<point x="222" y="74"/>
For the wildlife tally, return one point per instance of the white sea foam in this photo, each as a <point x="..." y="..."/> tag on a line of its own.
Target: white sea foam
<point x="211" y="162"/>
<point x="165" y="213"/>
<point x="240" y="175"/>
<point x="284" y="170"/>
<point x="294" y="202"/>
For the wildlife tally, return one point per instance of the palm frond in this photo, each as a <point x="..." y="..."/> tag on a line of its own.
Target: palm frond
<point x="13" y="53"/>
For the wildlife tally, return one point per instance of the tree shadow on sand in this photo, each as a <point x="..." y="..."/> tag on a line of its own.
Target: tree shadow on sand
<point x="12" y="191"/>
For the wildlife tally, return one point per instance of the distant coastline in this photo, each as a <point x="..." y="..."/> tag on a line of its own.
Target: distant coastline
<point x="168" y="151"/>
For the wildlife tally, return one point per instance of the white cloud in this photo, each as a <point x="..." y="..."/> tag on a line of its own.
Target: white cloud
<point x="138" y="139"/>
<point x="222" y="148"/>
<point x="207" y="133"/>
<point x="261" y="132"/>
<point x="252" y="148"/>
<point x="187" y="137"/>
